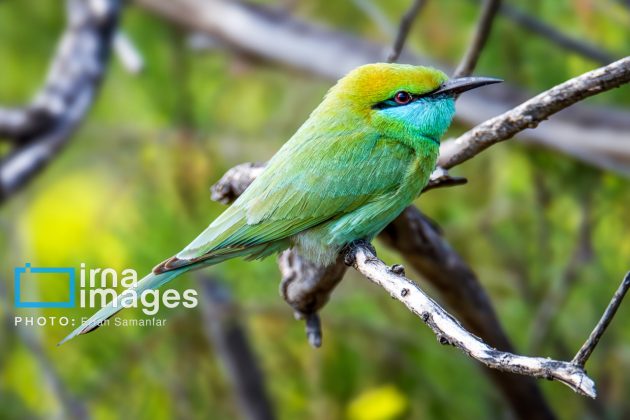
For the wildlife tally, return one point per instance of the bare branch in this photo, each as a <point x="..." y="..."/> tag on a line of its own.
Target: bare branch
<point x="449" y="331"/>
<point x="585" y="352"/>
<point x="41" y="129"/>
<point x="420" y="242"/>
<point x="403" y="29"/>
<point x="484" y="26"/>
<point x="532" y="112"/>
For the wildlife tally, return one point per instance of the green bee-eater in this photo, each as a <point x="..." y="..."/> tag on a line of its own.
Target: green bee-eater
<point x="361" y="157"/>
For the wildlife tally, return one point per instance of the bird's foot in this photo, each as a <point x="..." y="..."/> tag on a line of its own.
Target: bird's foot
<point x="348" y="251"/>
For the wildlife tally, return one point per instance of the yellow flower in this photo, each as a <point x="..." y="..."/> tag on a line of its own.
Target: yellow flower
<point x="381" y="403"/>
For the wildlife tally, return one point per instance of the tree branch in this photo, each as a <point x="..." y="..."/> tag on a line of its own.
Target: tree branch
<point x="449" y="331"/>
<point x="403" y="29"/>
<point x="532" y="112"/>
<point x="41" y="129"/>
<point x="585" y="352"/>
<point x="236" y="180"/>
<point x="478" y="41"/>
<point x="421" y="244"/>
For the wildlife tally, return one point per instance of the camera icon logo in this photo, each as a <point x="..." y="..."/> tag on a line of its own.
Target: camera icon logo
<point x="43" y="273"/>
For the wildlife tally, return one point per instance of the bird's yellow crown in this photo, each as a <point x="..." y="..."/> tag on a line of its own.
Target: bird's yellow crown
<point x="372" y="83"/>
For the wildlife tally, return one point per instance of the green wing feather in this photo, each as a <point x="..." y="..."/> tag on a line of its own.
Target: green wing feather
<point x="305" y="184"/>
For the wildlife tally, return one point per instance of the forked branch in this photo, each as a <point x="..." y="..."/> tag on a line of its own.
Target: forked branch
<point x="449" y="331"/>
<point x="587" y="349"/>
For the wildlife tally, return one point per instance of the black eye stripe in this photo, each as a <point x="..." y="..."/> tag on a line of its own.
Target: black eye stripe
<point x="385" y="104"/>
<point x="391" y="102"/>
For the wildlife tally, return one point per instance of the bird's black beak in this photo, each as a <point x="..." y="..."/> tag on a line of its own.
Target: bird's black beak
<point x="462" y="84"/>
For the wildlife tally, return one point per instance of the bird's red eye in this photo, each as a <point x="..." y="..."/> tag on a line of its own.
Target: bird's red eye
<point x="402" y="97"/>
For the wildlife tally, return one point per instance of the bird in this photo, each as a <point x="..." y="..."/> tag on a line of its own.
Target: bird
<point x="363" y="155"/>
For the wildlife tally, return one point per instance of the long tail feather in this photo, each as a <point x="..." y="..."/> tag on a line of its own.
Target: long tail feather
<point x="159" y="277"/>
<point x="149" y="282"/>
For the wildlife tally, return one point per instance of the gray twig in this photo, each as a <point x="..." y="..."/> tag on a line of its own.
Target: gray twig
<point x="39" y="130"/>
<point x="403" y="29"/>
<point x="478" y="41"/>
<point x="585" y="352"/>
<point x="234" y="182"/>
<point x="450" y="332"/>
<point x="306" y="288"/>
<point x="419" y="241"/>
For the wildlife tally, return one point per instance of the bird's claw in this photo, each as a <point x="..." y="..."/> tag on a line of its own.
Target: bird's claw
<point x="349" y="250"/>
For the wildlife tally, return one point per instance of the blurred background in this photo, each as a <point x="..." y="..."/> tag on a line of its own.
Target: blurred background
<point x="193" y="88"/>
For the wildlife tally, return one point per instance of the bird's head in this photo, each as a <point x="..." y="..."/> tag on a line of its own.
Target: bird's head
<point x="402" y="101"/>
